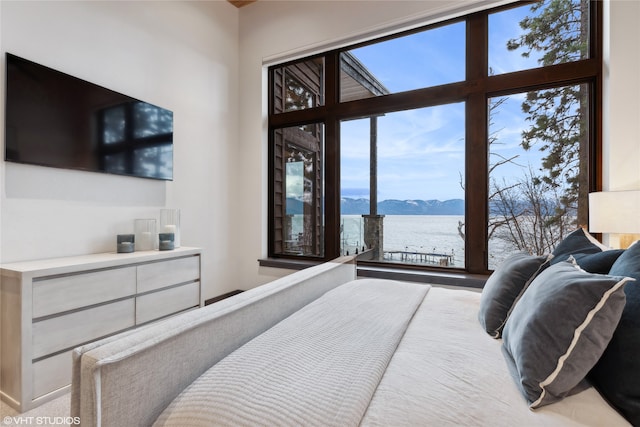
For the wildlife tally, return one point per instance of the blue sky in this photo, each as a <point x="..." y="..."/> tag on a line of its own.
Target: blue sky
<point x="421" y="152"/>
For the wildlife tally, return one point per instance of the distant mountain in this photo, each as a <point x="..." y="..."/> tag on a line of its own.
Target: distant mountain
<point x="403" y="207"/>
<point x="350" y="206"/>
<point x="421" y="207"/>
<point x="354" y="206"/>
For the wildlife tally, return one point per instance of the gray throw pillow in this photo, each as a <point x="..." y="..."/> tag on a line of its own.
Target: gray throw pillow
<point x="577" y="242"/>
<point x="617" y="373"/>
<point x="504" y="287"/>
<point x="559" y="329"/>
<point x="599" y="262"/>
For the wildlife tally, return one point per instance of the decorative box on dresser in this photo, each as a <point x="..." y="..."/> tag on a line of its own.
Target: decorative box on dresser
<point x="48" y="307"/>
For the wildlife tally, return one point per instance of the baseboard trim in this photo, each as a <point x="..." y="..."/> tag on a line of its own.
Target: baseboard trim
<point x="223" y="296"/>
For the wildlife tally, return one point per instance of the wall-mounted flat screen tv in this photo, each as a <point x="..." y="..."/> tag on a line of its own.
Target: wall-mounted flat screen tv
<point x="54" y="119"/>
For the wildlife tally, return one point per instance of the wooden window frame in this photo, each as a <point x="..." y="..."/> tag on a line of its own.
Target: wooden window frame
<point x="475" y="91"/>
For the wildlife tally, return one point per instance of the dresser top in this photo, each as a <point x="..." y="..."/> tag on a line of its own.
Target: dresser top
<point x="65" y="265"/>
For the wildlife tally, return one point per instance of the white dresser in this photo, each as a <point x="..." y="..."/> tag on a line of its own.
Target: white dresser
<point x="48" y="307"/>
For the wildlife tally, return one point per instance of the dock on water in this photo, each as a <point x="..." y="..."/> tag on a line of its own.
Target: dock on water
<point x="420" y="257"/>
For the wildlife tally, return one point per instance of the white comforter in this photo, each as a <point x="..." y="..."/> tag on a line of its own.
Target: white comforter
<point x="333" y="363"/>
<point x="320" y="366"/>
<point x="448" y="372"/>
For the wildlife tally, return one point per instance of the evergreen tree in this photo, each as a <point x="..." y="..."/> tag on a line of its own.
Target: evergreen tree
<point x="558" y="30"/>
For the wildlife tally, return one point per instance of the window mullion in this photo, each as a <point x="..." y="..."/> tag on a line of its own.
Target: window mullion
<point x="476" y="187"/>
<point x="332" y="159"/>
<point x="553" y="75"/>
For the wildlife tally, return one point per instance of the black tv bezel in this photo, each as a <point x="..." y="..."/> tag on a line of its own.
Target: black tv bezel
<point x="12" y="57"/>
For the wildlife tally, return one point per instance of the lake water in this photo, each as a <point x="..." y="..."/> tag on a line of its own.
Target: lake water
<point x="417" y="233"/>
<point x="410" y="233"/>
<point x="413" y="235"/>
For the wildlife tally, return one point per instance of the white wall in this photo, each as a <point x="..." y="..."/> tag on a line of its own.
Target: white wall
<point x="621" y="101"/>
<point x="182" y="56"/>
<point x="273" y="31"/>
<point x="622" y="96"/>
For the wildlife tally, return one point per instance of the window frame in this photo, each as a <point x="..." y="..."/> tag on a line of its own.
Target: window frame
<point x="475" y="91"/>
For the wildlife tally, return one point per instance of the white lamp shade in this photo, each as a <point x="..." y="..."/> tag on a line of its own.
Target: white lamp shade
<point x="614" y="212"/>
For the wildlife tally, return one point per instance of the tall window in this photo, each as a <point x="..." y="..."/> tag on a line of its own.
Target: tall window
<point x="446" y="147"/>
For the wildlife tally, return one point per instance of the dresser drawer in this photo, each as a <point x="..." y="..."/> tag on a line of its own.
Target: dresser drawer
<point x="51" y="374"/>
<point x="157" y="275"/>
<point x="163" y="303"/>
<point x="59" y="294"/>
<point x="68" y="331"/>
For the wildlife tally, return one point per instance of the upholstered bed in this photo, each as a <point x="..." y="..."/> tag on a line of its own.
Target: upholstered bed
<point x="321" y="347"/>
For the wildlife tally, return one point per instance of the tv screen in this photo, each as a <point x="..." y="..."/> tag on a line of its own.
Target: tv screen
<point x="54" y="119"/>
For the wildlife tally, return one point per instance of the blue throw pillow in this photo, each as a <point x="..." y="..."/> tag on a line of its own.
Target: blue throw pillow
<point x="559" y="329"/>
<point x="600" y="262"/>
<point x="504" y="287"/>
<point x="577" y="242"/>
<point x="617" y="373"/>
